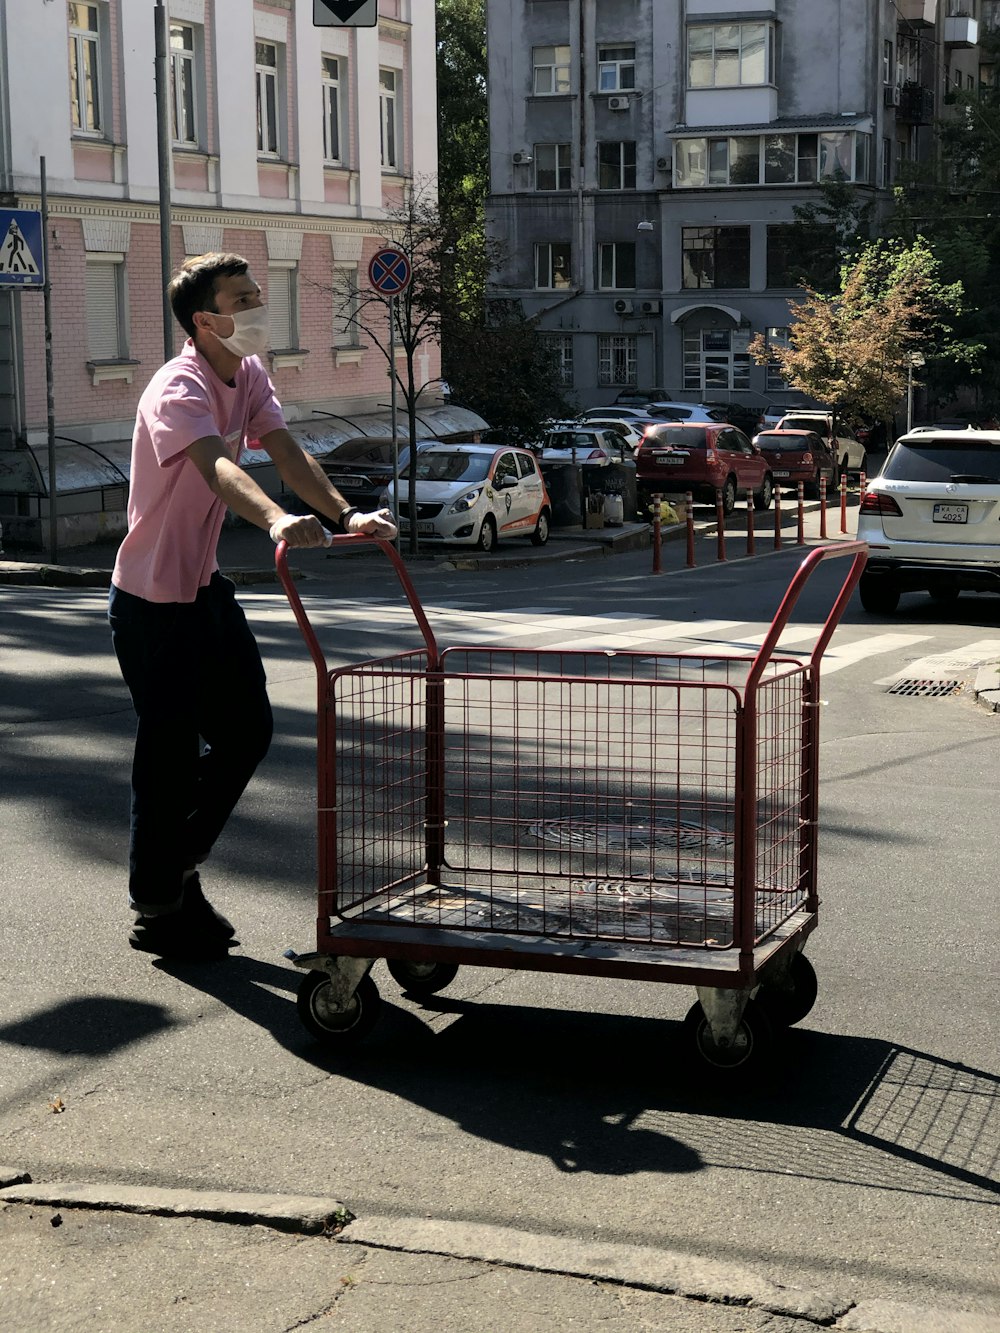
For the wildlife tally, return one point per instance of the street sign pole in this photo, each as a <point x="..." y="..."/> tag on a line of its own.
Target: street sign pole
<point x="161" y="45"/>
<point x="50" y="398"/>
<point x="392" y="409"/>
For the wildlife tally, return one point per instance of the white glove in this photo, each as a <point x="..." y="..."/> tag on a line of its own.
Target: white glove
<point x="377" y="524"/>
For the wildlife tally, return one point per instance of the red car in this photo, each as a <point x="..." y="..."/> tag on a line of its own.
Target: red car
<point x="799" y="455"/>
<point x="702" y="458"/>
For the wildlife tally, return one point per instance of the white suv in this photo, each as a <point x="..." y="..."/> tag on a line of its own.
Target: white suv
<point x="931" y="519"/>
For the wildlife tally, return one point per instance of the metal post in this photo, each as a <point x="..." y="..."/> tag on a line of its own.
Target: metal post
<point x="50" y="400"/>
<point x="720" y="527"/>
<point x="657" y="534"/>
<point x="777" y="518"/>
<point x="822" y="507"/>
<point x="843" y="502"/>
<point x="392" y="425"/>
<point x="163" y="159"/>
<point x="751" y="546"/>
<point x="689" y="515"/>
<point x="909" y="397"/>
<point x="801" y="534"/>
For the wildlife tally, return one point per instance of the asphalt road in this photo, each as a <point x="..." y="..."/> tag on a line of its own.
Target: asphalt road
<point x="565" y="1107"/>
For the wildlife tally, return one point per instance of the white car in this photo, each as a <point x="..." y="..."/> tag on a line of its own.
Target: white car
<point x="630" y="431"/>
<point x="588" y="444"/>
<point x="473" y="494"/>
<point x="931" y="519"/>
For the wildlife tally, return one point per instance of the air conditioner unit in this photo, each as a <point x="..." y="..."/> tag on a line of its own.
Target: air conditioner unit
<point x="891" y="95"/>
<point x="649" y="307"/>
<point x="522" y="159"/>
<point x="618" y="104"/>
<point x="663" y="164"/>
<point x="623" y="307"/>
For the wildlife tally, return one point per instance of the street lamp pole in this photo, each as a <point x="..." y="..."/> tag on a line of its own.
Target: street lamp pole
<point x="916" y="359"/>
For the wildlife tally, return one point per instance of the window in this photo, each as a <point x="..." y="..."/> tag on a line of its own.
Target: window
<point x="282" y="306"/>
<point x="107" y="334"/>
<point x="268" y="139"/>
<point x="182" y="84"/>
<point x="886" y="163"/>
<point x="616" y="166"/>
<point x="616" y="266"/>
<point x="388" y="80"/>
<point x="729" y="55"/>
<point x="560" y="347"/>
<point x="616" y="358"/>
<point x="331" y="109"/>
<point x="552" y="166"/>
<point x="550" y="70"/>
<point x="346" y="332"/>
<point x="506" y="466"/>
<point x="776" y="338"/>
<point x="887" y="70"/>
<point x="717" y="359"/>
<point x="527" y="466"/>
<point x="85" y="68"/>
<point x="772" y="159"/>
<point x="716" y="256"/>
<point x="552" y="264"/>
<point x="615" y="68"/>
<point x="782" y="268"/>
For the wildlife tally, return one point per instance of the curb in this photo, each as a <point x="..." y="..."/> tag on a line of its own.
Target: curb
<point x="301" y="1214"/>
<point x="987" y="687"/>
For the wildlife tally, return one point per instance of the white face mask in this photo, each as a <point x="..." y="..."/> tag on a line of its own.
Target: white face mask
<point x="251" y="332"/>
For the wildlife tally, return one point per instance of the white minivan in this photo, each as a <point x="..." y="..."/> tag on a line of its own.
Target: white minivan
<point x="474" y="494"/>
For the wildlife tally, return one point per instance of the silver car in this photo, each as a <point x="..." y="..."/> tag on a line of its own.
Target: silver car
<point x="931" y="519"/>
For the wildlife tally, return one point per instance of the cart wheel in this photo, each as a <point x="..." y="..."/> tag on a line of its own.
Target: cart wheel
<point x="786" y="1006"/>
<point x="421" y="978"/>
<point x="750" y="1047"/>
<point x="336" y="1027"/>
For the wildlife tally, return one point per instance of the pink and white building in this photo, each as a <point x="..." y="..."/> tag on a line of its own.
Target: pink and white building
<point x="289" y="143"/>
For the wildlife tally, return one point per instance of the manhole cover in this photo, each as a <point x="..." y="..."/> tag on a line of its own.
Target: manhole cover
<point x="593" y="836"/>
<point x="927" y="689"/>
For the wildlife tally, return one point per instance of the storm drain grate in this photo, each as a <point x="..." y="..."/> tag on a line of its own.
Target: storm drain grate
<point x="925" y="689"/>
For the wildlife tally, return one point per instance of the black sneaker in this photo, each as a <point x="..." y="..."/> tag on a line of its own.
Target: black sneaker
<point x="199" y="910"/>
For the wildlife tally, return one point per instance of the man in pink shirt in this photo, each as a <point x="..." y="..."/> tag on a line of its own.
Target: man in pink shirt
<point x="186" y="652"/>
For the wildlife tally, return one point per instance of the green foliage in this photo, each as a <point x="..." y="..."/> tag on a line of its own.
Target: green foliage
<point x="828" y="231"/>
<point x="853" y="349"/>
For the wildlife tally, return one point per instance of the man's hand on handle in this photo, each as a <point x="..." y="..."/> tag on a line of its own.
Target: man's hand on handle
<point x="376" y="524"/>
<point x="304" y="530"/>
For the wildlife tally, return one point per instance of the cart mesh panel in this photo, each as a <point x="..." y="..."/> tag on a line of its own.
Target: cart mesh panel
<point x="583" y="796"/>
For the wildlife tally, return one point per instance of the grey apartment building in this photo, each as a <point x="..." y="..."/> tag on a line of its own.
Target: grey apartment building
<point x="646" y="157"/>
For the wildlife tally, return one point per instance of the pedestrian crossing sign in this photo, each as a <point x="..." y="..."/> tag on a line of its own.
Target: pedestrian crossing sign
<point x="21" y="259"/>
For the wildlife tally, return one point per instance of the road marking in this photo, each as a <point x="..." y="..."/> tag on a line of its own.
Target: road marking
<point x="942" y="666"/>
<point x="846" y="654"/>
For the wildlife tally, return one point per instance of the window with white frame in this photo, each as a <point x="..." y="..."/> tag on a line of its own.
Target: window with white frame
<point x="183" y="85"/>
<point x="269" y="117"/>
<point x="282" y="306"/>
<point x="552" y="264"/>
<point x="617" y="355"/>
<point x="560" y="348"/>
<point x="85" y="70"/>
<point x="730" y="55"/>
<point x="331" y="109"/>
<point x="887" y="66"/>
<point x="549" y="70"/>
<point x="616" y="165"/>
<point x="776" y="337"/>
<point x="616" y="266"/>
<point x="886" y="163"/>
<point x="772" y="159"/>
<point x="107" y="326"/>
<point x="552" y="166"/>
<point x="389" y="81"/>
<point x="616" y="68"/>
<point x="346" y="332"/>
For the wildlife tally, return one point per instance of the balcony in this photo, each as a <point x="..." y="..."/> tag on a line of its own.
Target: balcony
<point x="961" y="30"/>
<point x="923" y="12"/>
<point x="916" y="104"/>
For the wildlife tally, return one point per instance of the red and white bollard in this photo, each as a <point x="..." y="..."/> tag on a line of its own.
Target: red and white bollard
<point x="657" y="535"/>
<point x="800" y="537"/>
<point x="843" y="502"/>
<point x="720" y="528"/>
<point x="751" y="548"/>
<point x="777" y="518"/>
<point x="822" y="507"/>
<point x="689" y="508"/>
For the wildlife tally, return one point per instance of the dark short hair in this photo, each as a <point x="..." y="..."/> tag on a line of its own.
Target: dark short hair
<point x="193" y="285"/>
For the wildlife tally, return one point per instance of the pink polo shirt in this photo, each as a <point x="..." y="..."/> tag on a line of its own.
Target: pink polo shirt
<point x="174" y="517"/>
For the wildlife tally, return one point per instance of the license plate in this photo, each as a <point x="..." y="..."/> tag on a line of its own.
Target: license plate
<point x="404" y="524"/>
<point x="669" y="458"/>
<point x="951" y="513"/>
<point x="781" y="474"/>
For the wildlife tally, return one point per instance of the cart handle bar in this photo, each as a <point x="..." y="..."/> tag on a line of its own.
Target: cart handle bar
<point x="343" y="541"/>
<point x="859" y="550"/>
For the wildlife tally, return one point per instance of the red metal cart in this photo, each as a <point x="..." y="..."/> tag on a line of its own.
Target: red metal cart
<point x="637" y="814"/>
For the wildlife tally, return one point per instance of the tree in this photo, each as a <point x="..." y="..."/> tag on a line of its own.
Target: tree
<point x="853" y="349"/>
<point x="827" y="232"/>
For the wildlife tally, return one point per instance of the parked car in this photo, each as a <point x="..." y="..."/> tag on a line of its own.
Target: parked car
<point x="702" y="458"/>
<point x="932" y="519"/>
<point x="473" y="494"/>
<point x="583" y="444"/>
<point x="362" y="468"/>
<point x="638" y="397"/>
<point x="613" y="414"/>
<point x="799" y="455"/>
<point x="743" y="416"/>
<point x="630" y="431"/>
<point x="846" y="447"/>
<point x="669" y="411"/>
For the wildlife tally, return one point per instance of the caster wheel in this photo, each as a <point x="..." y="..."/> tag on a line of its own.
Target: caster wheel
<point x="786" y="1006"/>
<point x="748" y="1051"/>
<point x="421" y="978"/>
<point x="333" y="1027"/>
